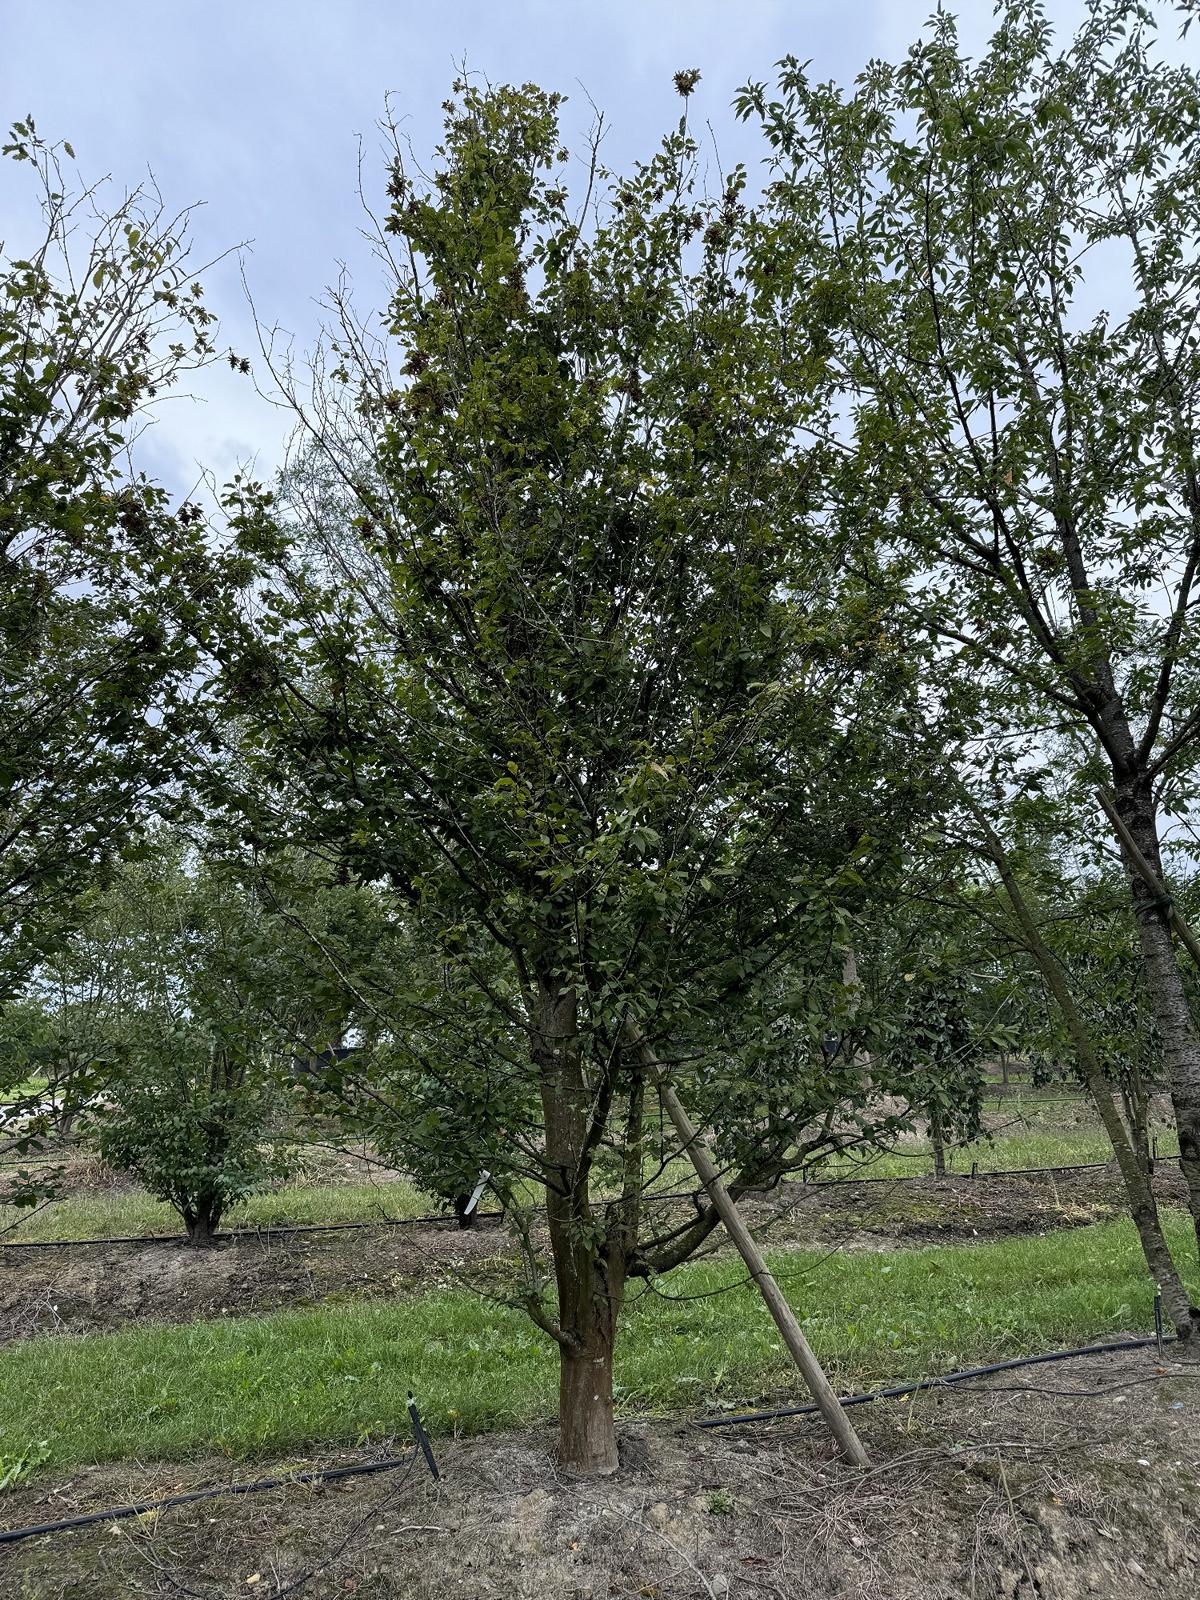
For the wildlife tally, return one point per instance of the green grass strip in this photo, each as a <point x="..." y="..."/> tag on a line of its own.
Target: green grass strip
<point x="107" y="1216"/>
<point x="1028" y="1148"/>
<point x="273" y="1384"/>
<point x="110" y="1216"/>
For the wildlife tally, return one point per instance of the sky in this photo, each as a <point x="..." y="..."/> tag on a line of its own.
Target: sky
<point x="257" y="111"/>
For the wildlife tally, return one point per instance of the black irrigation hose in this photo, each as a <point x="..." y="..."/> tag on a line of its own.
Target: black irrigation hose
<point x="243" y="1233"/>
<point x="391" y="1463"/>
<point x="268" y="1231"/>
<point x="444" y="1217"/>
<point x="940" y="1382"/>
<point x="118" y="1513"/>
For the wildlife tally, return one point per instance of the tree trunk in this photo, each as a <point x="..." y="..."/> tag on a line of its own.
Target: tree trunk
<point x="938" y="1141"/>
<point x="201" y="1230"/>
<point x="587" y="1441"/>
<point x="1137" y="1116"/>
<point x="590" y="1278"/>
<point x="1176" y="1026"/>
<point x="1138" y="1191"/>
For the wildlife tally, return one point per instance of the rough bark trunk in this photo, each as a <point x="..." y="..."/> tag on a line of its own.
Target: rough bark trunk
<point x="590" y="1279"/>
<point x="1176" y="1026"/>
<point x="587" y="1441"/>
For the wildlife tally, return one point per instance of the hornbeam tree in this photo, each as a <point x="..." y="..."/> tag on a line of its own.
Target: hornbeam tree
<point x="1009" y="250"/>
<point x="551" y="646"/>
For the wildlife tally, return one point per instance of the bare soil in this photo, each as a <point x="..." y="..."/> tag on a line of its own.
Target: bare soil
<point x="80" y="1289"/>
<point x="1075" y="1480"/>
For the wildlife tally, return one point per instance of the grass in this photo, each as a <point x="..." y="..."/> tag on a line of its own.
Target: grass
<point x="1029" y="1148"/>
<point x="339" y="1375"/>
<point x="108" y="1216"/>
<point x="22" y="1091"/>
<point x="111" y="1215"/>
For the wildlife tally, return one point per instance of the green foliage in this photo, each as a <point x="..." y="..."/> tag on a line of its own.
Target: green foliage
<point x="556" y="651"/>
<point x="191" y="1127"/>
<point x="191" y="1014"/>
<point x="97" y="321"/>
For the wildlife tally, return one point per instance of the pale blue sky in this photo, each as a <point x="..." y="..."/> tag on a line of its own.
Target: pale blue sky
<point x="256" y="109"/>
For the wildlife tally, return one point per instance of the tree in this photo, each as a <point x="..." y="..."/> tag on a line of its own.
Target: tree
<point x="189" y="1017"/>
<point x="548" y="643"/>
<point x="935" y="1050"/>
<point x="94" y="565"/>
<point x="1009" y="250"/>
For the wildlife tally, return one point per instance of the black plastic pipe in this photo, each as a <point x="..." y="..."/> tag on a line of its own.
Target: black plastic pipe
<point x="118" y="1513"/>
<point x="242" y="1233"/>
<point x="938" y="1383"/>
<point x="447" y="1218"/>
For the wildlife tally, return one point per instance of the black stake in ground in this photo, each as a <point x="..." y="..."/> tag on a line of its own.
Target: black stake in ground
<point x="422" y="1437"/>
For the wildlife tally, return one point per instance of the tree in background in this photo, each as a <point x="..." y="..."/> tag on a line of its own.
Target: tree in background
<point x="188" y="1033"/>
<point x="1035" y="456"/>
<point x="97" y="321"/>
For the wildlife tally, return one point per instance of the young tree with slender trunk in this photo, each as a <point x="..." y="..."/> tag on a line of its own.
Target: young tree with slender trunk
<point x="1136" y="1176"/>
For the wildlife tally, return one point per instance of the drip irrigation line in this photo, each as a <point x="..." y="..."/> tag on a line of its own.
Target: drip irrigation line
<point x="119" y="1513"/>
<point x="445" y="1218"/>
<point x="939" y="1382"/>
<point x="266" y="1232"/>
<point x="269" y="1231"/>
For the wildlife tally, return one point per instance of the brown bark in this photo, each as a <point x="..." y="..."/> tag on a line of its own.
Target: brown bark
<point x="589" y="1277"/>
<point x="587" y="1442"/>
<point x="201" y="1226"/>
<point x="937" y="1139"/>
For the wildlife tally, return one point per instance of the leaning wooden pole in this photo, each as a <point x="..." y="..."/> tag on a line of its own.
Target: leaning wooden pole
<point x="785" y="1319"/>
<point x="1147" y="873"/>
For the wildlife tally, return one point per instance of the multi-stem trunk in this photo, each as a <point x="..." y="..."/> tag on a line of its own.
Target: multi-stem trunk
<point x="202" y="1218"/>
<point x="589" y="1269"/>
<point x="1180" y="1040"/>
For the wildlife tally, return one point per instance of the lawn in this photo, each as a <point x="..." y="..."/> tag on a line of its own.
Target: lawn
<point x="340" y="1374"/>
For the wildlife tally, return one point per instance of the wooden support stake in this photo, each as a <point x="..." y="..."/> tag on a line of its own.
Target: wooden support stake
<point x="1144" y="870"/>
<point x="785" y="1320"/>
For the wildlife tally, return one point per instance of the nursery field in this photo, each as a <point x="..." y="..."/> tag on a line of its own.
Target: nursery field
<point x="141" y="1367"/>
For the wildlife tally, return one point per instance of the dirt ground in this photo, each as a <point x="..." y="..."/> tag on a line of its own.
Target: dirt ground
<point x="1058" y="1482"/>
<point x="77" y="1289"/>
